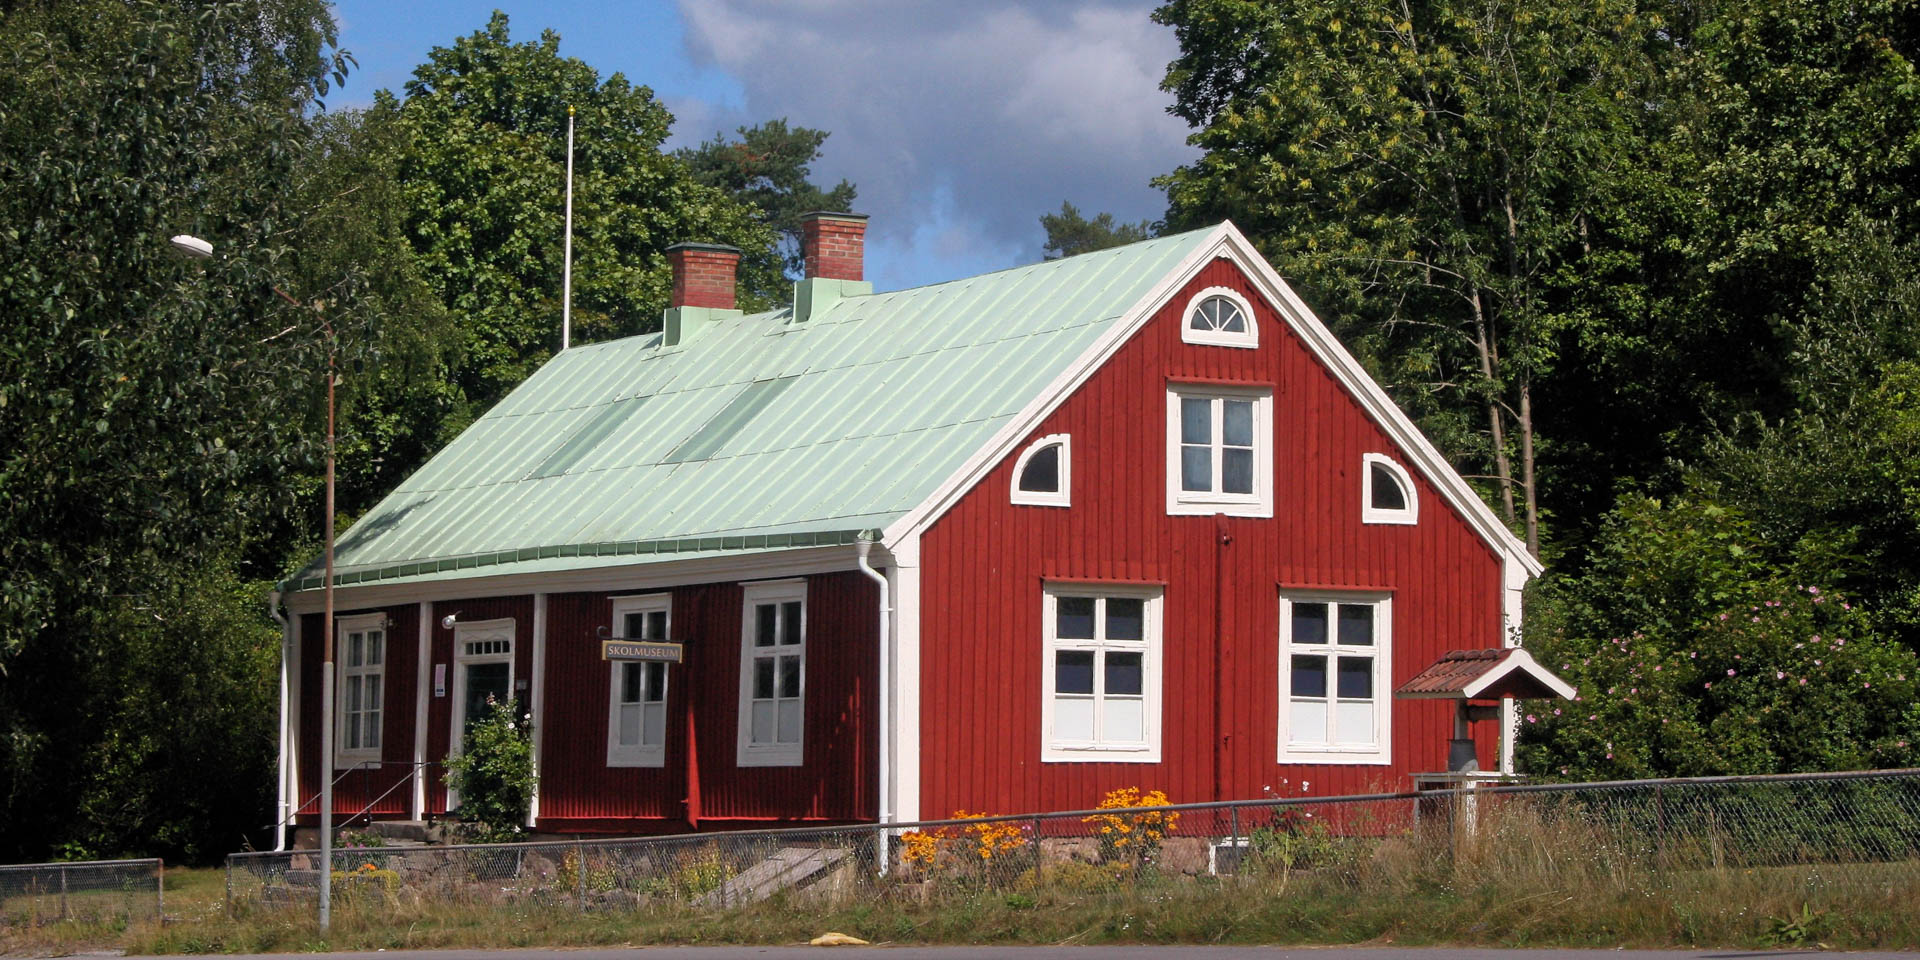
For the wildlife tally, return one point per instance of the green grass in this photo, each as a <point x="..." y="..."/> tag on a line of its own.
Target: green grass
<point x="1530" y="876"/>
<point x="1857" y="907"/>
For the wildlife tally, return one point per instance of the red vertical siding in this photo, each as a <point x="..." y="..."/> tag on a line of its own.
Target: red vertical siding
<point x="984" y="563"/>
<point x="837" y="780"/>
<point x="360" y="787"/>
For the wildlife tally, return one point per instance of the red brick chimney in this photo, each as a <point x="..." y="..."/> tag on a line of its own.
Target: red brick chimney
<point x="834" y="244"/>
<point x="703" y="274"/>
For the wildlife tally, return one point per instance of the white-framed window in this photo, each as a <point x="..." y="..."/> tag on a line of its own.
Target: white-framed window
<point x="1221" y="317"/>
<point x="1220" y="450"/>
<point x="360" y="691"/>
<point x="1100" y="681"/>
<point x="1335" y="670"/>
<point x="637" y="697"/>
<point x="1386" y="492"/>
<point x="773" y="674"/>
<point x="1043" y="475"/>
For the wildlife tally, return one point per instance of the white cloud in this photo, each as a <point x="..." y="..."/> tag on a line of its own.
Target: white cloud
<point x="959" y="123"/>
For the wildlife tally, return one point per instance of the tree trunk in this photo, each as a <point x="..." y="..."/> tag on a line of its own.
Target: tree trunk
<point x="1483" y="344"/>
<point x="1526" y="466"/>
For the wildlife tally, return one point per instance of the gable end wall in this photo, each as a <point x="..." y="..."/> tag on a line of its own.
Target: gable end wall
<point x="984" y="562"/>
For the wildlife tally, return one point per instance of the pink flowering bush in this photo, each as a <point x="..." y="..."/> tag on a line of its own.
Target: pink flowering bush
<point x="1707" y="660"/>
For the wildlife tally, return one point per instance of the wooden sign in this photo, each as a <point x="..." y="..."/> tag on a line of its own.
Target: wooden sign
<point x="644" y="650"/>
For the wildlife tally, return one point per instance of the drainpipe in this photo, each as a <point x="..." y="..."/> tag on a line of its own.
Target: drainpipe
<point x="280" y="769"/>
<point x="860" y="549"/>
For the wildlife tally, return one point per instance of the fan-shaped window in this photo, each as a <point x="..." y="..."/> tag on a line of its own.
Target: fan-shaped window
<point x="1222" y="317"/>
<point x="1043" y="476"/>
<point x="1386" y="492"/>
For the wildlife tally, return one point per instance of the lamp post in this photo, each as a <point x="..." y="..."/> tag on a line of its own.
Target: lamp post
<point x="191" y="246"/>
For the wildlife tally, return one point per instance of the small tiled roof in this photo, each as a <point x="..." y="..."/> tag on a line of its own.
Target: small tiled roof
<point x="1485" y="675"/>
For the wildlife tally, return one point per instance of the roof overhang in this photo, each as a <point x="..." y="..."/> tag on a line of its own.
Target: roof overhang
<point x="1509" y="673"/>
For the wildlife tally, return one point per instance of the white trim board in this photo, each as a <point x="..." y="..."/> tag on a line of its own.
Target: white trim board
<point x="627" y="578"/>
<point x="1227" y="241"/>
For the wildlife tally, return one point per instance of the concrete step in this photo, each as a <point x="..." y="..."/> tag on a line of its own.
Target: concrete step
<point x="786" y="868"/>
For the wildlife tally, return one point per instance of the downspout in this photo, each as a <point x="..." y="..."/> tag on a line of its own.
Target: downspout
<point x="860" y="550"/>
<point x="280" y="768"/>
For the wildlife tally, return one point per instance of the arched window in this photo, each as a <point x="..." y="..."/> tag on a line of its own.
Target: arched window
<point x="1222" y="317"/>
<point x="1043" y="476"/>
<point x="1386" y="492"/>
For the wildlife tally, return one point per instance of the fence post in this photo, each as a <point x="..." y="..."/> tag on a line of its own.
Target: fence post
<point x="1039" y="853"/>
<point x="160" y="888"/>
<point x="580" y="872"/>
<point x="63" y="893"/>
<point x="1660" y="819"/>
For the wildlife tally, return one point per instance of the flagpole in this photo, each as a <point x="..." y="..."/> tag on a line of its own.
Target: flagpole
<point x="566" y="275"/>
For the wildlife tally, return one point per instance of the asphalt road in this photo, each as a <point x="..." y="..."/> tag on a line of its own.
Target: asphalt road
<point x="1074" y="953"/>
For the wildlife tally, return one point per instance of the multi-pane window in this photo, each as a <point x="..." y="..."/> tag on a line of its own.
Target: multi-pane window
<point x="773" y="660"/>
<point x="1222" y="317"/>
<point x="1220" y="451"/>
<point x="637" y="715"/>
<point x="1101" y="677"/>
<point x="362" y="645"/>
<point x="1333" y="678"/>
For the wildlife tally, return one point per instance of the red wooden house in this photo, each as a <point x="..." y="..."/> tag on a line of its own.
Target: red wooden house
<point x="1132" y="518"/>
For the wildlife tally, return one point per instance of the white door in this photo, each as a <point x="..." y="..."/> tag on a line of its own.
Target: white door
<point x="482" y="669"/>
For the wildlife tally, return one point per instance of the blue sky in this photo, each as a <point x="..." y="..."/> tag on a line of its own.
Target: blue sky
<point x="959" y="123"/>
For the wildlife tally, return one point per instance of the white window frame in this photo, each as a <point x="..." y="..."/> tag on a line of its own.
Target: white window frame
<point x="747" y="752"/>
<point x="1258" y="503"/>
<point x="343" y="757"/>
<point x="1054" y="750"/>
<point x="1380" y="750"/>
<point x="1220" y="338"/>
<point x="1062" y="497"/>
<point x="1371" y="514"/>
<point x="638" y="754"/>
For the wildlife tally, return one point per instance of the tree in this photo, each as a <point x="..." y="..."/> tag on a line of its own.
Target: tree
<point x="154" y="412"/>
<point x="1069" y="233"/>
<point x="1432" y="175"/>
<point x="766" y="169"/>
<point x="483" y="168"/>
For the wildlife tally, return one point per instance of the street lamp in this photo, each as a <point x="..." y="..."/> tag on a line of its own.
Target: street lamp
<point x="195" y="248"/>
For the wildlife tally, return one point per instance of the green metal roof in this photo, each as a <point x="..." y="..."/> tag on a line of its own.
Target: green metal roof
<point x="757" y="433"/>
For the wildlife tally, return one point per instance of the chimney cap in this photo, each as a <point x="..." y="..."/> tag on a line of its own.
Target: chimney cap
<point x="707" y="247"/>
<point x="832" y="214"/>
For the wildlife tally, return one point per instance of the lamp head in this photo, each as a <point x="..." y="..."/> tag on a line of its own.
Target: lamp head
<point x="446" y="622"/>
<point x="190" y="246"/>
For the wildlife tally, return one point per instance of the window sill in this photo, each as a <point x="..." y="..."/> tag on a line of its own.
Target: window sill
<point x="1230" y="508"/>
<point x="347" y="761"/>
<point x="751" y="757"/>
<point x="1333" y="756"/>
<point x="1398" y="517"/>
<point x="1100" y="755"/>
<point x="655" y="760"/>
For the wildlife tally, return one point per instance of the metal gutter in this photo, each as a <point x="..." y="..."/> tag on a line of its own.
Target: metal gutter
<point x="860" y="549"/>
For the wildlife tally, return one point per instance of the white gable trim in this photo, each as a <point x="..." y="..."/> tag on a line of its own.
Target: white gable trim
<point x="1523" y="661"/>
<point x="1227" y="241"/>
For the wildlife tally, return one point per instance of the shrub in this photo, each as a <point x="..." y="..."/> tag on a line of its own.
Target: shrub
<point x="495" y="773"/>
<point x="1132" y="838"/>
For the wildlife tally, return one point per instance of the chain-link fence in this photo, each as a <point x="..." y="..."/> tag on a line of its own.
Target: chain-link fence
<point x="1637" y="836"/>
<point x="37" y="893"/>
